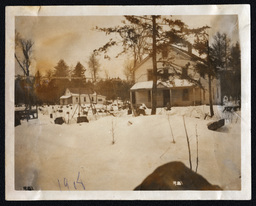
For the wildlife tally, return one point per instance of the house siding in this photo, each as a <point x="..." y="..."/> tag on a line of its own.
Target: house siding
<point x="141" y="96"/>
<point x="84" y="98"/>
<point x="177" y="99"/>
<point x="180" y="61"/>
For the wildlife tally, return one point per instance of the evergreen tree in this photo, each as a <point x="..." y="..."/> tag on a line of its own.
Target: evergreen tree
<point x="60" y="81"/>
<point x="220" y="51"/>
<point x="78" y="78"/>
<point x="79" y="70"/>
<point x="61" y="70"/>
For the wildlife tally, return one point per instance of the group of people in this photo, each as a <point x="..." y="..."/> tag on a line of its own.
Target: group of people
<point x="229" y="101"/>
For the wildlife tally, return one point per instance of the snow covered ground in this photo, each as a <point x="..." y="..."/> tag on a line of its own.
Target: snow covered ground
<point x="82" y="156"/>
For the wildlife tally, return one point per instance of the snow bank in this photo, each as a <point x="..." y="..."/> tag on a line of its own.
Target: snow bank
<point x="81" y="156"/>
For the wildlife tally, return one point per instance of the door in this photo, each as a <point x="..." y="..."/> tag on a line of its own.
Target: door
<point x="133" y="98"/>
<point x="166" y="97"/>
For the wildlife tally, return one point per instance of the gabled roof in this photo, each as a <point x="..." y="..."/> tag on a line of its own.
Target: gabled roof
<point x="80" y="90"/>
<point x="184" y="52"/>
<point x="144" y="85"/>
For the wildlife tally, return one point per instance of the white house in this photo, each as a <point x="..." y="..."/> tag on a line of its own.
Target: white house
<point x="87" y="96"/>
<point x="172" y="90"/>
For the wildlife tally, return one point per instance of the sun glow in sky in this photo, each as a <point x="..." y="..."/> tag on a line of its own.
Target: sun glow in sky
<point x="73" y="39"/>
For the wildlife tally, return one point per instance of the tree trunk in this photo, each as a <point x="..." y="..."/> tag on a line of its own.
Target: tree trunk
<point x="210" y="95"/>
<point x="209" y="81"/>
<point x="154" y="88"/>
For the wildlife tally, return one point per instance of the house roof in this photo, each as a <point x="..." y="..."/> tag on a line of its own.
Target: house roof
<point x="65" y="96"/>
<point x="160" y="84"/>
<point x="80" y="90"/>
<point x="186" y="53"/>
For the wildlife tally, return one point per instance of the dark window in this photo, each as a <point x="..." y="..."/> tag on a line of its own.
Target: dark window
<point x="150" y="74"/>
<point x="100" y="100"/>
<point x="92" y="99"/>
<point x="165" y="74"/>
<point x="185" y="95"/>
<point x="84" y="99"/>
<point x="184" y="72"/>
<point x="76" y="99"/>
<point x="133" y="98"/>
<point x="149" y="96"/>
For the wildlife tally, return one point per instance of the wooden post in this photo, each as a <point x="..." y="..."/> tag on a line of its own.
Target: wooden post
<point x="171" y="97"/>
<point x="154" y="87"/>
<point x="194" y="96"/>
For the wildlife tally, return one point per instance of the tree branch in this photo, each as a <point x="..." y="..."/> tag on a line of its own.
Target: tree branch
<point x="20" y="64"/>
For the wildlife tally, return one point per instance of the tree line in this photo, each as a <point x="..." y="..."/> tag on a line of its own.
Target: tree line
<point x="48" y="88"/>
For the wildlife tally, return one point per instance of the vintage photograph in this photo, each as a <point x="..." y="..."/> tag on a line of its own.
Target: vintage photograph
<point x="127" y="102"/>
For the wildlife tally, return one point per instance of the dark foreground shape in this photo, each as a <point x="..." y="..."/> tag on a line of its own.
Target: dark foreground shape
<point x="59" y="120"/>
<point x="82" y="119"/>
<point x="175" y="176"/>
<point x="28" y="188"/>
<point x="216" y="125"/>
<point x="17" y="119"/>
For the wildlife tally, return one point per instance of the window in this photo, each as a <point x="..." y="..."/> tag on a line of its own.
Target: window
<point x="184" y="72"/>
<point x="76" y="99"/>
<point x="150" y="74"/>
<point x="100" y="100"/>
<point x="165" y="75"/>
<point x="185" y="96"/>
<point x="149" y="96"/>
<point x="84" y="99"/>
<point x="92" y="99"/>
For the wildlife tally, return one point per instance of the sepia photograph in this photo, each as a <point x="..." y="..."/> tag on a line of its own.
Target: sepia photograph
<point x="131" y="101"/>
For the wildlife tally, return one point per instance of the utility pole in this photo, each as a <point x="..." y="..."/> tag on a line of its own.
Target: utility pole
<point x="154" y="87"/>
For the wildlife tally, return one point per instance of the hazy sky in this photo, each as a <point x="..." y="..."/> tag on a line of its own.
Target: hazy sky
<point x="72" y="38"/>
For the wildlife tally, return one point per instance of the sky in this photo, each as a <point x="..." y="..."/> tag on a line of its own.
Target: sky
<point x="73" y="39"/>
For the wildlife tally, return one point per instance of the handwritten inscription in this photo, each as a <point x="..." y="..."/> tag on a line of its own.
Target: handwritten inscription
<point x="73" y="184"/>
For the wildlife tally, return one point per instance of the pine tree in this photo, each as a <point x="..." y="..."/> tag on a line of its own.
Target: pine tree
<point x="79" y="70"/>
<point x="59" y="81"/>
<point x="61" y="70"/>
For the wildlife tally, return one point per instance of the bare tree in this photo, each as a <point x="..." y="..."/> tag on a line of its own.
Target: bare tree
<point x="94" y="66"/>
<point x="106" y="74"/>
<point x="23" y="52"/>
<point x="49" y="74"/>
<point x="128" y="70"/>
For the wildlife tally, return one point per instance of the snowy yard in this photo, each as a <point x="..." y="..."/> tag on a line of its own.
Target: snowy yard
<point x="81" y="156"/>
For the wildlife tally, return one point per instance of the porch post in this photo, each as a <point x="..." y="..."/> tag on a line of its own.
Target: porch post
<point x="194" y="96"/>
<point x="130" y="96"/>
<point x="171" y="97"/>
<point x="151" y="97"/>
